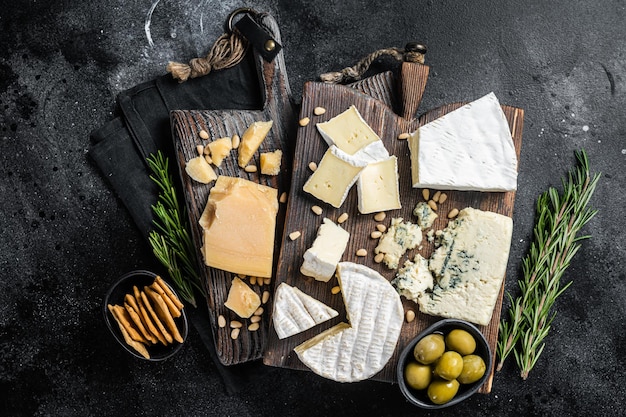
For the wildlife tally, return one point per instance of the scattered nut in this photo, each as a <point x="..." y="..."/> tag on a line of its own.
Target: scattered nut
<point x="376" y="234"/>
<point x="342" y="218"/>
<point x="235" y="141"/>
<point x="208" y="159"/>
<point x="318" y="111"/>
<point x="436" y="196"/>
<point x="250" y="168"/>
<point x="335" y="290"/>
<point x="453" y="213"/>
<point x="258" y="311"/>
<point x="255" y="319"/>
<point x="432" y="205"/>
<point x="443" y="197"/>
<point x="295" y="235"/>
<point x="379" y="258"/>
<point x="235" y="324"/>
<point x="234" y="334"/>
<point x="381" y="228"/>
<point x="410" y="316"/>
<point x="426" y="194"/>
<point x="403" y="136"/>
<point x="252" y="280"/>
<point x="379" y="217"/>
<point x="253" y="327"/>
<point x="203" y="134"/>
<point x="200" y="150"/>
<point x="221" y="321"/>
<point x="283" y="197"/>
<point x="265" y="297"/>
<point x="361" y="252"/>
<point x="317" y="210"/>
<point x="267" y="280"/>
<point x="304" y="121"/>
<point x="312" y="166"/>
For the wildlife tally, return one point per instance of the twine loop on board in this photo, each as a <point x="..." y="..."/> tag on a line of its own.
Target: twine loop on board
<point x="412" y="52"/>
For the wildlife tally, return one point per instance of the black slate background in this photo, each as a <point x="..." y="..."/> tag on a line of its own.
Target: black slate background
<point x="65" y="236"/>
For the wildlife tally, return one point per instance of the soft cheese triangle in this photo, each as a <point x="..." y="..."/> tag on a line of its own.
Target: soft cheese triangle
<point x="470" y="148"/>
<point x="469" y="266"/>
<point x="357" y="351"/>
<point x="295" y="311"/>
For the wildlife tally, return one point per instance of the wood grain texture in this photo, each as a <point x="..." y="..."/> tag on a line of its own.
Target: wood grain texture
<point x="186" y="125"/>
<point x="310" y="147"/>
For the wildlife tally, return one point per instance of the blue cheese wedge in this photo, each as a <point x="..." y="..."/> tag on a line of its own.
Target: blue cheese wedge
<point x="469" y="266"/>
<point x="399" y="237"/>
<point x="425" y="215"/>
<point x="321" y="259"/>
<point x="470" y="148"/>
<point x="296" y="311"/>
<point x="413" y="279"/>
<point x="378" y="188"/>
<point x="358" y="350"/>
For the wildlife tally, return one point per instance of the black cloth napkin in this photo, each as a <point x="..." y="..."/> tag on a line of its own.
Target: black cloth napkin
<point x="120" y="148"/>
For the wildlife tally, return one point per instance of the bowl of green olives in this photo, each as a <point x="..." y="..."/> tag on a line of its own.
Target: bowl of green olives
<point x="444" y="365"/>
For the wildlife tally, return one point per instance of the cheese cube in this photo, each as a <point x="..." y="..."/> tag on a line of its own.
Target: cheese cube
<point x="200" y="170"/>
<point x="321" y="259"/>
<point x="270" y="162"/>
<point x="251" y="139"/>
<point x="348" y="131"/>
<point x="220" y="148"/>
<point x="242" y="299"/>
<point x="470" y="148"/>
<point x="378" y="187"/>
<point x="332" y="179"/>
<point x="239" y="223"/>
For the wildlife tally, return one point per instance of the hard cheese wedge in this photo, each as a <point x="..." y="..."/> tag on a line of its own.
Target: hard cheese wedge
<point x="239" y="225"/>
<point x="295" y="311"/>
<point x="469" y="266"/>
<point x="251" y="140"/>
<point x="357" y="351"/>
<point x="332" y="179"/>
<point x="321" y="259"/>
<point x="378" y="187"/>
<point x="470" y="148"/>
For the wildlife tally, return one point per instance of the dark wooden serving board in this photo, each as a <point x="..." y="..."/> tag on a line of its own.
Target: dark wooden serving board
<point x="186" y="126"/>
<point x="389" y="106"/>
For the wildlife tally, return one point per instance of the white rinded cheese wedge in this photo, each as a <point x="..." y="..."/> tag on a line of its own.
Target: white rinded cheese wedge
<point x="470" y="148"/>
<point x="469" y="266"/>
<point x="332" y="179"/>
<point x="378" y="188"/>
<point x="321" y="259"/>
<point x="295" y="311"/>
<point x="348" y="131"/>
<point x="359" y="350"/>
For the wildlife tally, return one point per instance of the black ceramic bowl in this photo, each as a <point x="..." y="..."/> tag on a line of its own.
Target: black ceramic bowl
<point x="115" y="296"/>
<point x="420" y="397"/>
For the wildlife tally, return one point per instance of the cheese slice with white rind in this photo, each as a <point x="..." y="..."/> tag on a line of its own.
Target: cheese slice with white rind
<point x="296" y="311"/>
<point x="359" y="350"/>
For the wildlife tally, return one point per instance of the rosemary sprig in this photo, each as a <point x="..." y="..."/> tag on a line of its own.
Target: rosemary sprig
<point x="559" y="218"/>
<point x="170" y="241"/>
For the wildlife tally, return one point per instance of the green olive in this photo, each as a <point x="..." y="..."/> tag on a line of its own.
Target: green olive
<point x="461" y="341"/>
<point x="417" y="376"/>
<point x="429" y="348"/>
<point x="441" y="391"/>
<point x="449" y="366"/>
<point x="473" y="369"/>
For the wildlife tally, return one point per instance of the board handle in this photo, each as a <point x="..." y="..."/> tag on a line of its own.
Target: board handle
<point x="412" y="83"/>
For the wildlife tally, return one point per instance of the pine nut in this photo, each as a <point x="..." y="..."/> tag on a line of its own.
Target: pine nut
<point x="312" y="166"/>
<point x="283" y="197"/>
<point x="376" y="234"/>
<point x="410" y="316"/>
<point x="252" y="280"/>
<point x="432" y="205"/>
<point x="235" y="141"/>
<point x="235" y="324"/>
<point x="200" y="150"/>
<point x="426" y="194"/>
<point x="379" y="258"/>
<point x="241" y="276"/>
<point x="403" y="136"/>
<point x="318" y="111"/>
<point x="442" y="198"/>
<point x="234" y="334"/>
<point x="294" y="235"/>
<point x="304" y="121"/>
<point x="255" y="319"/>
<point x="265" y="297"/>
<point x="317" y="210"/>
<point x="381" y="228"/>
<point x="208" y="159"/>
<point x="258" y="311"/>
<point x="221" y="321"/>
<point x="207" y="150"/>
<point x="335" y="290"/>
<point x="379" y="217"/>
<point x="203" y="134"/>
<point x="436" y="196"/>
<point x="342" y="218"/>
<point x="250" y="168"/>
<point x="453" y="213"/>
<point x="267" y="281"/>
<point x="361" y="252"/>
<point x="253" y="327"/>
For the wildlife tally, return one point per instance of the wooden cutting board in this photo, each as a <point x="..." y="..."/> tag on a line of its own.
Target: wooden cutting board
<point x="186" y="127"/>
<point x="389" y="107"/>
